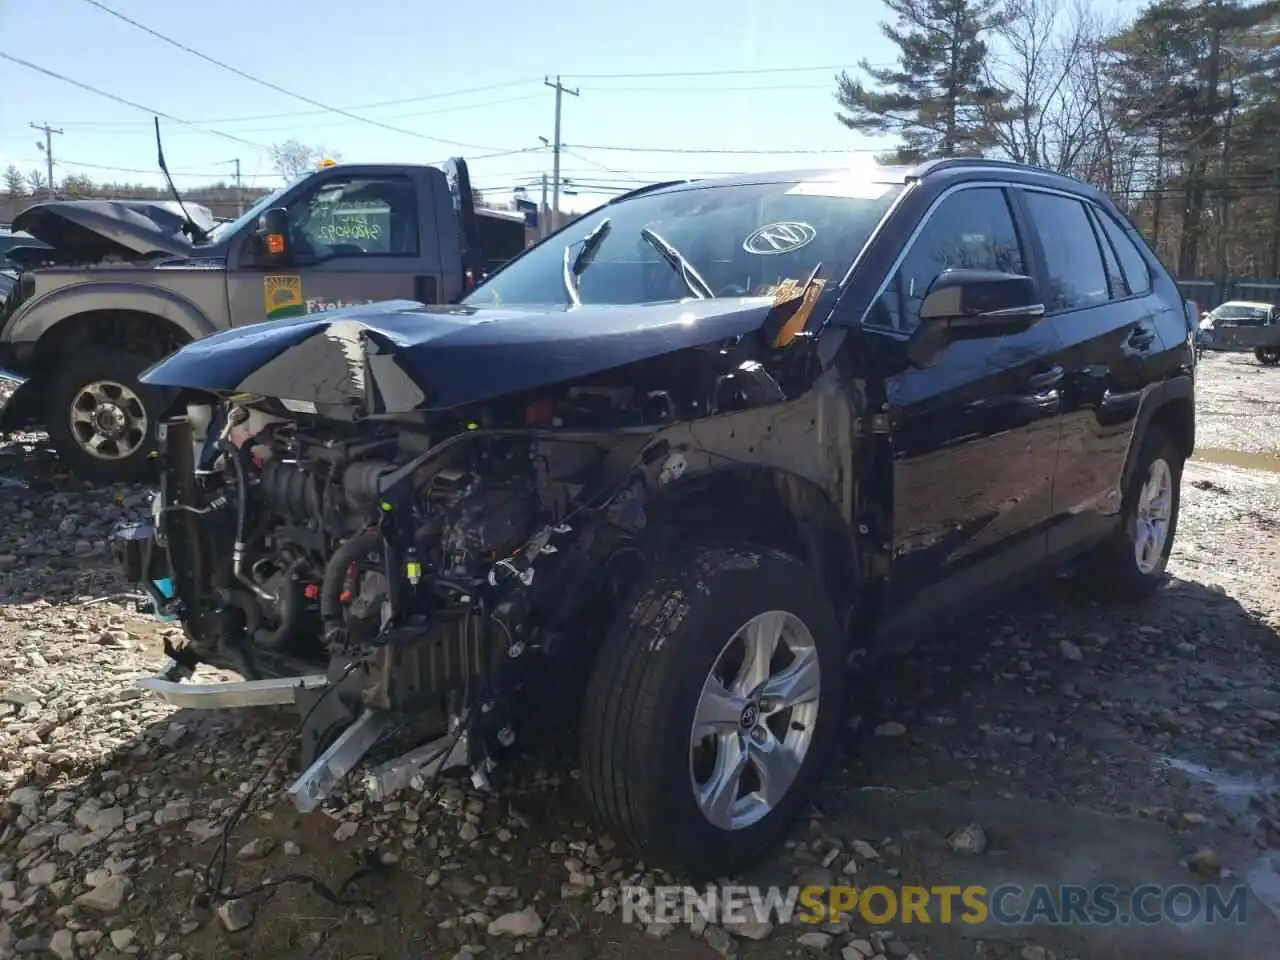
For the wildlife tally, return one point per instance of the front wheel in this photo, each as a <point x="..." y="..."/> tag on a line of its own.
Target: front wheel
<point x="713" y="704"/>
<point x="101" y="420"/>
<point x="1267" y="356"/>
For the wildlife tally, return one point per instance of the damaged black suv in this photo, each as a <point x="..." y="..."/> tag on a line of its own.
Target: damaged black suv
<point x="663" y="474"/>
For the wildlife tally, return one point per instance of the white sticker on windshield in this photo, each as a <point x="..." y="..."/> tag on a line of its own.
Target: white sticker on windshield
<point x="853" y="188"/>
<point x="776" y="238"/>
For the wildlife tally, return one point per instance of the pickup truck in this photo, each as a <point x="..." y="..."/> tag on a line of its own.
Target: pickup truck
<point x="1242" y="326"/>
<point x="128" y="282"/>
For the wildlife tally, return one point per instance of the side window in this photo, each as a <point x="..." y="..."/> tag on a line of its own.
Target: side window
<point x="355" y="217"/>
<point x="1136" y="273"/>
<point x="1115" y="276"/>
<point x="971" y="229"/>
<point x="1077" y="277"/>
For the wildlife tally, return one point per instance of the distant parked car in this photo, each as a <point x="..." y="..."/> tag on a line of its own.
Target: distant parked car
<point x="1241" y="326"/>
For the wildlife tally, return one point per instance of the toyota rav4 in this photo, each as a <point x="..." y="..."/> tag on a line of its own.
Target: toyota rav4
<point x="664" y="474"/>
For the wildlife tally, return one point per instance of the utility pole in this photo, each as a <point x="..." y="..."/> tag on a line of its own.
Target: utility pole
<point x="239" y="190"/>
<point x="47" y="147"/>
<point x="543" y="213"/>
<point x="560" y="90"/>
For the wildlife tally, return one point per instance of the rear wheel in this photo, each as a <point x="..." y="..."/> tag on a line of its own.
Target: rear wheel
<point x="1131" y="564"/>
<point x="100" y="419"/>
<point x="713" y="704"/>
<point x="1268" y="356"/>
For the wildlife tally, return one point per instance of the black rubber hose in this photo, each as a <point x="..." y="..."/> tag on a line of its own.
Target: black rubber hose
<point x="290" y="608"/>
<point x="335" y="572"/>
<point x="236" y="456"/>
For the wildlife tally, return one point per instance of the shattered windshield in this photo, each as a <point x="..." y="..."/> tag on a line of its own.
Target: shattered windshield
<point x="741" y="239"/>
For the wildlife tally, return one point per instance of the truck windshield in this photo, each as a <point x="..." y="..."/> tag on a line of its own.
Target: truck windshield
<point x="223" y="230"/>
<point x="742" y="239"/>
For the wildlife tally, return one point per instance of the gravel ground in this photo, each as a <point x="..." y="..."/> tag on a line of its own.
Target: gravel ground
<point x="1079" y="744"/>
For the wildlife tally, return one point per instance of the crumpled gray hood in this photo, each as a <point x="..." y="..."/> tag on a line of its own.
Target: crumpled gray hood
<point x="92" y="229"/>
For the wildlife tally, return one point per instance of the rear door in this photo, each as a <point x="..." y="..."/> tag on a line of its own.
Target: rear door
<point x="1101" y="304"/>
<point x="355" y="238"/>
<point x="975" y="436"/>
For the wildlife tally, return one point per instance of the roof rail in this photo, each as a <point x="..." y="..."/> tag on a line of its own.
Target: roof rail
<point x="948" y="163"/>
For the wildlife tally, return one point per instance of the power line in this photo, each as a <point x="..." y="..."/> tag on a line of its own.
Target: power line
<point x="128" y="103"/>
<point x="760" y="71"/>
<point x="728" y="152"/>
<point x="311" y="113"/>
<point x="279" y="89"/>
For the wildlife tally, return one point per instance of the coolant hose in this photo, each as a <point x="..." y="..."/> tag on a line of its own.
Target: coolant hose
<point x="335" y="572"/>
<point x="237" y="457"/>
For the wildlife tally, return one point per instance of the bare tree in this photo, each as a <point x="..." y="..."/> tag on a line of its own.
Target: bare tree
<point x="1045" y="66"/>
<point x="293" y="158"/>
<point x="36" y="180"/>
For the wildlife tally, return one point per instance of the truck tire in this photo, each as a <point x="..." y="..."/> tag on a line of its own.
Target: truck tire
<point x="1130" y="565"/>
<point x="712" y="803"/>
<point x="101" y="420"/>
<point x="1267" y="356"/>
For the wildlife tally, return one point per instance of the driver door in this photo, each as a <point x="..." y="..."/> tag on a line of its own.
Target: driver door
<point x="353" y="239"/>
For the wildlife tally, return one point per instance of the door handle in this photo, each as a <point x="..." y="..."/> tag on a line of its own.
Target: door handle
<point x="1141" y="338"/>
<point x="1045" y="379"/>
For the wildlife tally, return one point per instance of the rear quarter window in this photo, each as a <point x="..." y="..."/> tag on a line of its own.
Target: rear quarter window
<point x="1137" y="275"/>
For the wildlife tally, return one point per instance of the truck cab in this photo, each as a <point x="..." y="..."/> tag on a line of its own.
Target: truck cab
<point x="126" y="283"/>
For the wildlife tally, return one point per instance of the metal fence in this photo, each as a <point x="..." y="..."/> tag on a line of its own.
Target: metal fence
<point x="1212" y="293"/>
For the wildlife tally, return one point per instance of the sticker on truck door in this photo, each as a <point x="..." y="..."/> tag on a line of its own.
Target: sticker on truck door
<point x="282" y="296"/>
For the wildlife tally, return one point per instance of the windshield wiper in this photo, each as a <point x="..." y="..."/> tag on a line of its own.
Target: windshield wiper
<point x="697" y="286"/>
<point x="573" y="267"/>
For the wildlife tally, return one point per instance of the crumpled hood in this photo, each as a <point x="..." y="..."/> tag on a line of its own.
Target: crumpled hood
<point x="93" y="229"/>
<point x="400" y="356"/>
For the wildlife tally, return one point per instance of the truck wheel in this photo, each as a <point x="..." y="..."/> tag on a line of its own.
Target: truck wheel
<point x="100" y="419"/>
<point x="714" y="700"/>
<point x="1268" y="356"/>
<point x="1131" y="564"/>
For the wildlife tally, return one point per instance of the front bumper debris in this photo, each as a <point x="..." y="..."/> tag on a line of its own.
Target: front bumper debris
<point x="220" y="696"/>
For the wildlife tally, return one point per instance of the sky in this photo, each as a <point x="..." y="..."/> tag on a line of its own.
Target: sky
<point x="666" y="89"/>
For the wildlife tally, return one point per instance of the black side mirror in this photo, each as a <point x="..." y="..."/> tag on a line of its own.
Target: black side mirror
<point x="273" y="237"/>
<point x="973" y="305"/>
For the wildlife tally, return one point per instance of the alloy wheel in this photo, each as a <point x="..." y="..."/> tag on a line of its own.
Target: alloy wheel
<point x="755" y="720"/>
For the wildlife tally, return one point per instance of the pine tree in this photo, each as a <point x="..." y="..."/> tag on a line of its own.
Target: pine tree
<point x="15" y="184"/>
<point x="937" y="99"/>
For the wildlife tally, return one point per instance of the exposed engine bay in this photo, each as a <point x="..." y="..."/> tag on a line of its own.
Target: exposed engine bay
<point x="457" y="569"/>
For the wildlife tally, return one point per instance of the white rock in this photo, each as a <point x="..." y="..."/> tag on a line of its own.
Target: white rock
<point x="346" y="831"/>
<point x="815" y="940"/>
<point x="518" y="923"/>
<point x="750" y="928"/>
<point x="43" y="875"/>
<point x="175" y="811"/>
<point x="123" y="937"/>
<point x="235" y="914"/>
<point x="62" y="945"/>
<point x="107" y="897"/>
<point x="100" y="820"/>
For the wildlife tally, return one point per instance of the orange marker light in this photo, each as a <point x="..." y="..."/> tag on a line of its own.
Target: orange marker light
<point x="275" y="243"/>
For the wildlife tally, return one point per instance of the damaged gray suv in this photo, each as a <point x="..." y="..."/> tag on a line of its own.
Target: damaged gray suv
<point x="662" y="474"/>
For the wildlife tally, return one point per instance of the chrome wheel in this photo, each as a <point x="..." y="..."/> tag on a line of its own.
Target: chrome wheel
<point x="1155" y="510"/>
<point x="108" y="420"/>
<point x="755" y="720"/>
